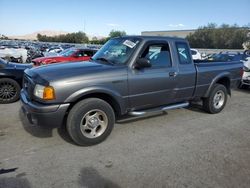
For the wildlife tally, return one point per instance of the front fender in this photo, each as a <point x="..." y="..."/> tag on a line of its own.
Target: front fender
<point x="120" y="100"/>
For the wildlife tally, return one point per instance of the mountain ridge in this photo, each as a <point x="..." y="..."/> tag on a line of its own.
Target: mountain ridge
<point x="33" y="36"/>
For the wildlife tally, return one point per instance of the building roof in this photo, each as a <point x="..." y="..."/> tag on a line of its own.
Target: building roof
<point x="171" y="33"/>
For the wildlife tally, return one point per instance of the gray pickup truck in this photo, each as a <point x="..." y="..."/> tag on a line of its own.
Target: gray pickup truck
<point x="132" y="75"/>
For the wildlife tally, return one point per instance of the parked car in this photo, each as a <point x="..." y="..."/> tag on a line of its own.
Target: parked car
<point x="11" y="76"/>
<point x="228" y="56"/>
<point x="133" y="75"/>
<point x="246" y="75"/>
<point x="53" y="51"/>
<point x="18" y="55"/>
<point x="68" y="55"/>
<point x="196" y="55"/>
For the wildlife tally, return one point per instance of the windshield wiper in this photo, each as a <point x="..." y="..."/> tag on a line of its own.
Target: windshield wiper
<point x="105" y="60"/>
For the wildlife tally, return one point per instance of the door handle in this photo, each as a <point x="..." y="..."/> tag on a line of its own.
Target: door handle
<point x="172" y="74"/>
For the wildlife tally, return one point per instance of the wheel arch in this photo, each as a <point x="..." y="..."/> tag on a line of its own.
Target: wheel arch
<point x="223" y="79"/>
<point x="12" y="77"/>
<point x="112" y="99"/>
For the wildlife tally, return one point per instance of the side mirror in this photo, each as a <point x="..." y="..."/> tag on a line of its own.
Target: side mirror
<point x="142" y="63"/>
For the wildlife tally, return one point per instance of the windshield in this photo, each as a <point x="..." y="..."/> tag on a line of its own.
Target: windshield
<point x="3" y="63"/>
<point x="117" y="51"/>
<point x="193" y="52"/>
<point x="67" y="53"/>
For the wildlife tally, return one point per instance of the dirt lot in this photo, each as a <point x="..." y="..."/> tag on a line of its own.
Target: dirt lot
<point x="184" y="148"/>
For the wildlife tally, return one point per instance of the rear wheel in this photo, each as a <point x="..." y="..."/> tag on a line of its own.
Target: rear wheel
<point x="90" y="121"/>
<point x="216" y="100"/>
<point x="9" y="90"/>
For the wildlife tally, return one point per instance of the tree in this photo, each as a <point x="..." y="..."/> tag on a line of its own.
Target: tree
<point x="100" y="41"/>
<point x="221" y="37"/>
<point x="116" y="33"/>
<point x="78" y="37"/>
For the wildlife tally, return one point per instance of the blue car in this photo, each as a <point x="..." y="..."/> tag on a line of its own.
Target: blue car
<point x="11" y="76"/>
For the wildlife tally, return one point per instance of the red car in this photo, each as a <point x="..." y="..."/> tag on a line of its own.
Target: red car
<point x="69" y="55"/>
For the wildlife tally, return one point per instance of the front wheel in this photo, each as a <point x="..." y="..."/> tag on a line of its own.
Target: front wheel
<point x="90" y="121"/>
<point x="216" y="100"/>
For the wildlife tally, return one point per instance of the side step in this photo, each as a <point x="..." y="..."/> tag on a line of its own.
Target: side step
<point x="159" y="109"/>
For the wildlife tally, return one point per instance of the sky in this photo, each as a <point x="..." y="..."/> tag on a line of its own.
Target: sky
<point x="99" y="17"/>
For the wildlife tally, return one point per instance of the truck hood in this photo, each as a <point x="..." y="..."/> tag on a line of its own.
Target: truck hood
<point x="66" y="71"/>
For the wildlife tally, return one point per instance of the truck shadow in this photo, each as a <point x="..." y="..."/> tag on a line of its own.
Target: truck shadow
<point x="44" y="132"/>
<point x="14" y="182"/>
<point x="63" y="133"/>
<point x="196" y="107"/>
<point x="130" y="119"/>
<point x="90" y="177"/>
<point x="37" y="131"/>
<point x="244" y="90"/>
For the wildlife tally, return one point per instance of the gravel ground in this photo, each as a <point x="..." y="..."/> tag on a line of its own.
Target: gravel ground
<point x="182" y="148"/>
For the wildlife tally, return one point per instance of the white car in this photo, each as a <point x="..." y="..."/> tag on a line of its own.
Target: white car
<point x="246" y="73"/>
<point x="196" y="55"/>
<point x="16" y="53"/>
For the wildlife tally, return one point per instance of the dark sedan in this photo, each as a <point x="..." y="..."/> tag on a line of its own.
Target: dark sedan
<point x="11" y="76"/>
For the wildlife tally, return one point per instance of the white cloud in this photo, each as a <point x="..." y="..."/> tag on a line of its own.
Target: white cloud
<point x="113" y="25"/>
<point x="176" y="25"/>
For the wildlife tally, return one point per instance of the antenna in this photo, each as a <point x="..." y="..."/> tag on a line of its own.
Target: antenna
<point x="84" y="26"/>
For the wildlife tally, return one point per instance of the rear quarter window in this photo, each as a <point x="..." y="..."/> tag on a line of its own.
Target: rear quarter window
<point x="183" y="53"/>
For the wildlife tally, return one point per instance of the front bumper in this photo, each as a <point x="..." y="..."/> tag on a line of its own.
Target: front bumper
<point x="43" y="114"/>
<point x="246" y="79"/>
<point x="245" y="82"/>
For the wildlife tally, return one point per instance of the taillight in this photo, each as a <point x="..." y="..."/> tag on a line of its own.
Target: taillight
<point x="241" y="72"/>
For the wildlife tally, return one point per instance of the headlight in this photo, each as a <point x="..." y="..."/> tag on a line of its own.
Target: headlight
<point x="44" y="92"/>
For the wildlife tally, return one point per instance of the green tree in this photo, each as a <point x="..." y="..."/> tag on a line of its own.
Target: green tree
<point x="101" y="41"/>
<point x="221" y="37"/>
<point x="78" y="37"/>
<point x="116" y="33"/>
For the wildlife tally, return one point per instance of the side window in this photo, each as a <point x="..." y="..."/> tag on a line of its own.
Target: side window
<point x="79" y="53"/>
<point x="88" y="53"/>
<point x="158" y="54"/>
<point x="183" y="53"/>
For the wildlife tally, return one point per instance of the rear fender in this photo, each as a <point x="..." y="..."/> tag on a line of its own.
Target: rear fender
<point x="223" y="75"/>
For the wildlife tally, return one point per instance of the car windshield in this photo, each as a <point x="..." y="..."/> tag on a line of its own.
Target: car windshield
<point x="3" y="63"/>
<point x="67" y="53"/>
<point x="117" y="50"/>
<point x="193" y="52"/>
<point x="222" y="57"/>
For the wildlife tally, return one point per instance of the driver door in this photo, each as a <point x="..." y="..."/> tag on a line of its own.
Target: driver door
<point x="153" y="86"/>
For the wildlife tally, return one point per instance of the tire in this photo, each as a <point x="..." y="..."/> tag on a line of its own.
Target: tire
<point x="9" y="91"/>
<point x="90" y="121"/>
<point x="213" y="105"/>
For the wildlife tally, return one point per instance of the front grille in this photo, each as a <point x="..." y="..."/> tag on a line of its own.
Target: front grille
<point x="246" y="81"/>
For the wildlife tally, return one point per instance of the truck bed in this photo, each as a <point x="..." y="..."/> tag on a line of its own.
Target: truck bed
<point x="208" y="72"/>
